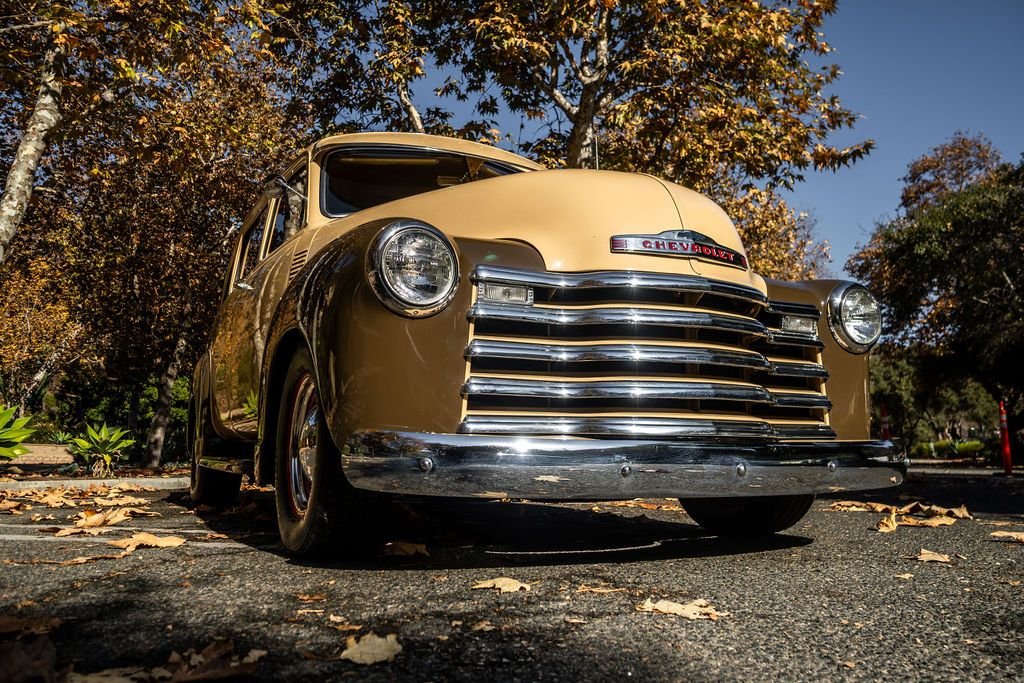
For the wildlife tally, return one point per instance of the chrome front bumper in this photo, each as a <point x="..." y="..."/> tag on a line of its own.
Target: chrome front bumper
<point x="541" y="468"/>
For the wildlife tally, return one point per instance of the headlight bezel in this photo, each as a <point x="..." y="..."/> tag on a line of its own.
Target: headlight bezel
<point x="835" y="317"/>
<point x="379" y="280"/>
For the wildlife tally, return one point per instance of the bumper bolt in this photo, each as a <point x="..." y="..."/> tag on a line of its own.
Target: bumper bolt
<point x="832" y="465"/>
<point x="741" y="470"/>
<point x="625" y="470"/>
<point x="426" y="464"/>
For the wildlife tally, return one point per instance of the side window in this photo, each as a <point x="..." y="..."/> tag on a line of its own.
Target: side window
<point x="291" y="211"/>
<point x="251" y="246"/>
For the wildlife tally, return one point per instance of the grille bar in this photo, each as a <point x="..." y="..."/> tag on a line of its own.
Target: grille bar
<point x="615" y="426"/>
<point x="617" y="389"/>
<point x="616" y="279"/>
<point x="616" y="315"/>
<point x="637" y="353"/>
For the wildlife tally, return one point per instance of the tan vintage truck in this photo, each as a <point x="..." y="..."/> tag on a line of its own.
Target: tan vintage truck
<point x="409" y="314"/>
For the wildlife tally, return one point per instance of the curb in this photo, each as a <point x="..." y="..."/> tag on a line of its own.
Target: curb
<point x="159" y="483"/>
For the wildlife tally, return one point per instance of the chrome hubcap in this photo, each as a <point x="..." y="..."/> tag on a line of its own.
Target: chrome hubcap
<point x="303" y="443"/>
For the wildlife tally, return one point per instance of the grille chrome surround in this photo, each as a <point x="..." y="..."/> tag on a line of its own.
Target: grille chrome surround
<point x="641" y="355"/>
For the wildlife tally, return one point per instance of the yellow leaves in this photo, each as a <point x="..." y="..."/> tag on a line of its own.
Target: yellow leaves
<point x="1011" y="536"/>
<point x="887" y="524"/>
<point x="371" y="649"/>
<point x="931" y="556"/>
<point x="694" y="610"/>
<point x="502" y="584"/>
<point x="145" y="539"/>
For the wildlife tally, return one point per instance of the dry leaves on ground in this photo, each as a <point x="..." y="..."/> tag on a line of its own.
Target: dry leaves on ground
<point x="887" y="524"/>
<point x="341" y="623"/>
<point x="217" y="661"/>
<point x="311" y="597"/>
<point x="908" y="509"/>
<point x="405" y="549"/>
<point x="503" y="584"/>
<point x="147" y="540"/>
<point x="603" y="588"/>
<point x="1011" y="536"/>
<point x="646" y="505"/>
<point x="483" y="625"/>
<point x="696" y="609"/>
<point x="371" y="648"/>
<point x="931" y="556"/>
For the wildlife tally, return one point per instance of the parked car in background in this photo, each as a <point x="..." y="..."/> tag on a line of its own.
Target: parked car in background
<point x="409" y="314"/>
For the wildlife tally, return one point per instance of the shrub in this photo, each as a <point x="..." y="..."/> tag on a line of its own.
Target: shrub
<point x="12" y="432"/>
<point x="100" y="448"/>
<point x="970" y="449"/>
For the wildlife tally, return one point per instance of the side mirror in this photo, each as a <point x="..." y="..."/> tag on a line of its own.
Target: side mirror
<point x="274" y="186"/>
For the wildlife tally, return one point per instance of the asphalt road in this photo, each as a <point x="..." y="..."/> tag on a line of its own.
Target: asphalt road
<point x="823" y="601"/>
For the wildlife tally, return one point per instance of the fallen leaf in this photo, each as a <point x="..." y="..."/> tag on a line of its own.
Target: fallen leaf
<point x="77" y="531"/>
<point x="211" y="536"/>
<point x="1001" y="523"/>
<point x="930" y="556"/>
<point x="405" y="549"/>
<point x="849" y="665"/>
<point x="928" y="521"/>
<point x="887" y="524"/>
<point x="1012" y="536"/>
<point x="10" y="505"/>
<point x="147" y="540"/>
<point x="907" y="576"/>
<point x="120" y="501"/>
<point x="313" y="597"/>
<point x="598" y="589"/>
<point x="503" y="584"/>
<point x="309" y="611"/>
<point x="371" y="648"/>
<point x="575" y="620"/>
<point x="483" y="625"/>
<point x="39" y="518"/>
<point x="1012" y="582"/>
<point x="860" y="506"/>
<point x="697" y="609"/>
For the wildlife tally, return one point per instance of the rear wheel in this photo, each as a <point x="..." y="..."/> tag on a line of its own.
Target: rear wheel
<point x="747" y="516"/>
<point x="318" y="512"/>
<point x="208" y="486"/>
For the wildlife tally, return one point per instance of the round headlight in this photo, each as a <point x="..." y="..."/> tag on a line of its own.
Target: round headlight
<point x="413" y="268"/>
<point x="854" y="317"/>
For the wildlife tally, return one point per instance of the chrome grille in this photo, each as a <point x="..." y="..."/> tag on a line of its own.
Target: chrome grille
<point x="617" y="354"/>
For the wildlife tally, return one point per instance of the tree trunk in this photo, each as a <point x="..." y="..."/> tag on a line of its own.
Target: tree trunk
<point x="162" y="408"/>
<point x="45" y="118"/>
<point x="411" y="113"/>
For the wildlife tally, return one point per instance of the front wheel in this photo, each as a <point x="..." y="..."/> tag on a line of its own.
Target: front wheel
<point x="318" y="512"/>
<point x="759" y="516"/>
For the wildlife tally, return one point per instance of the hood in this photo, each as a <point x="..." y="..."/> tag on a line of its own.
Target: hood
<point x="570" y="216"/>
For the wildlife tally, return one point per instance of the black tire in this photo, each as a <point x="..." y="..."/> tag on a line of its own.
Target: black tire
<point x="759" y="516"/>
<point x="322" y="515"/>
<point x="208" y="486"/>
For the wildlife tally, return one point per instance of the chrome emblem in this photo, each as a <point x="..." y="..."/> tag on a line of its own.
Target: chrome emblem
<point x="683" y="243"/>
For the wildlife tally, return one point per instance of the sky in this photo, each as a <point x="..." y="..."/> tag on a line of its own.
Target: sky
<point x="916" y="71"/>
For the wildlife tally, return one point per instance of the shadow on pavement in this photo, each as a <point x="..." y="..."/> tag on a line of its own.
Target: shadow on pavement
<point x="475" y="534"/>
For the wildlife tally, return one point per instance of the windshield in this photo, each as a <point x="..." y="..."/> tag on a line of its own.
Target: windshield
<point x="358" y="178"/>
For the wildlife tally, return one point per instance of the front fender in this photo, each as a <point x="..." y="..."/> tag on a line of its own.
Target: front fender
<point x="376" y="369"/>
<point x="847" y="385"/>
